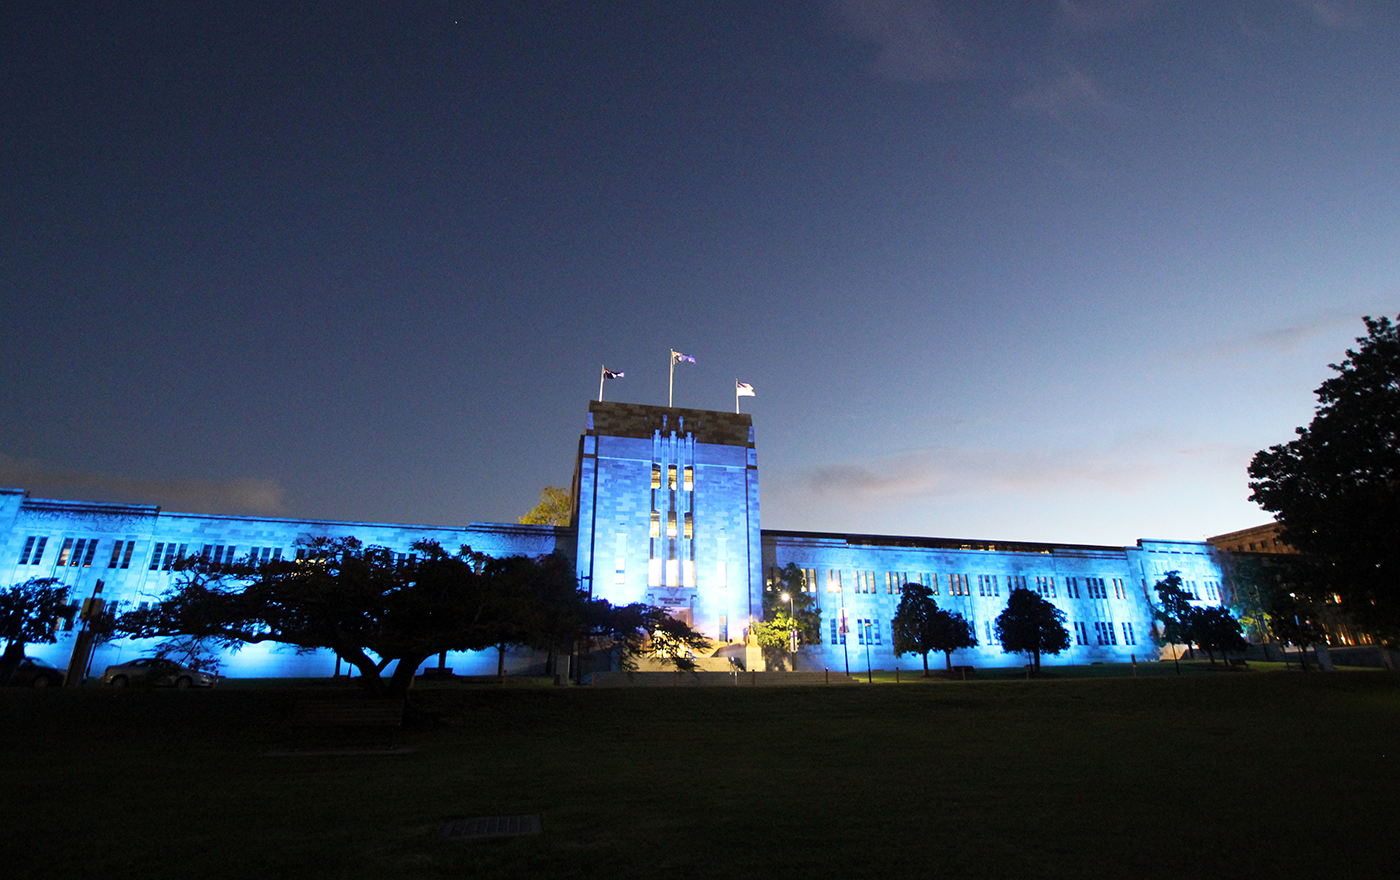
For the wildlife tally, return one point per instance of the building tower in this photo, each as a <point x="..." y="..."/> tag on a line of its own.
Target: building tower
<point x="667" y="513"/>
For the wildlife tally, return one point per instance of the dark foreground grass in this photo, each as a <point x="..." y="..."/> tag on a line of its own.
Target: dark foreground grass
<point x="1236" y="775"/>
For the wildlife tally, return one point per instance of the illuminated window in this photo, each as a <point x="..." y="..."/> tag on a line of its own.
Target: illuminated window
<point x="672" y="573"/>
<point x="655" y="524"/>
<point x="1045" y="586"/>
<point x="654" y="572"/>
<point x="959" y="585"/>
<point x="833" y="580"/>
<point x="670" y="523"/>
<point x="689" y="526"/>
<point x="930" y="580"/>
<point x="1118" y="590"/>
<point x="688" y="572"/>
<point x="65" y="551"/>
<point x="689" y="478"/>
<point x="671" y="476"/>
<point x="809" y="580"/>
<point x="656" y="476"/>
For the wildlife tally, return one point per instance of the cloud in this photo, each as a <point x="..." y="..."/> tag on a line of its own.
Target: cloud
<point x="1337" y="14"/>
<point x="914" y="40"/>
<point x="200" y="496"/>
<point x="1285" y="338"/>
<point x="944" y="472"/>
<point x="1072" y="93"/>
<point x="1092" y="15"/>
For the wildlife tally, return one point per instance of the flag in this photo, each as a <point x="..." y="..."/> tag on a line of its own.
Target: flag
<point x="681" y="358"/>
<point x="845" y="628"/>
<point x="609" y="374"/>
<point x="743" y="389"/>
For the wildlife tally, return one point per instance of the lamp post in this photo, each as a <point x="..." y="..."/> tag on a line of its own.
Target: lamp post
<point x="792" y="627"/>
<point x="869" y="676"/>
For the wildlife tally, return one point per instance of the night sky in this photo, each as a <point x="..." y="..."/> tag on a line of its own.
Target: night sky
<point x="1025" y="270"/>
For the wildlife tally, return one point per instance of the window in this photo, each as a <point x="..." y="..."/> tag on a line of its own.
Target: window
<point x="656" y="476"/>
<point x="65" y="551"/>
<point x="1072" y="592"/>
<point x="1128" y="637"/>
<point x="654" y="572"/>
<point x="930" y="580"/>
<point x="837" y="637"/>
<point x="120" y="558"/>
<point x="865" y="582"/>
<point x="672" y="573"/>
<point x="689" y="483"/>
<point x="1118" y="591"/>
<point x="809" y="580"/>
<point x="689" y="526"/>
<point x="155" y="557"/>
<point x="958" y="585"/>
<point x="987" y="585"/>
<point x="1105" y="633"/>
<point x="36" y="545"/>
<point x="688" y="572"/>
<point x="655" y="524"/>
<point x="1081" y="635"/>
<point x="894" y="582"/>
<point x="1045" y="586"/>
<point x="671" y="477"/>
<point x="670" y="523"/>
<point x="833" y="580"/>
<point x="1097" y="590"/>
<point x="1015" y="582"/>
<point x="867" y="631"/>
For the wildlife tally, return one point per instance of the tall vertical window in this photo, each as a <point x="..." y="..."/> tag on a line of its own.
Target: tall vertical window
<point x="65" y="551"/>
<point x="656" y="476"/>
<point x="1045" y="586"/>
<point x="1081" y="635"/>
<point x="689" y="484"/>
<point x="671" y="477"/>
<point x="689" y="527"/>
<point x="116" y="554"/>
<point x="672" y="573"/>
<point x="1072" y="589"/>
<point x="688" y="573"/>
<point x="24" y="554"/>
<point x="653" y="572"/>
<point x="656" y="524"/>
<point x="1118" y="591"/>
<point x="1128" y="637"/>
<point x="987" y="585"/>
<point x="155" y="557"/>
<point x="670" y="523"/>
<point x="833" y="580"/>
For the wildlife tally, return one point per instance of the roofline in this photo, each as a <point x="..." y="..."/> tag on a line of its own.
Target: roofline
<point x="931" y="543"/>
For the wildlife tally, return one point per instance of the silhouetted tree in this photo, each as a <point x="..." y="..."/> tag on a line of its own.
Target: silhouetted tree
<point x="29" y="613"/>
<point x="1335" y="490"/>
<point x="921" y="626"/>
<point x="1217" y="630"/>
<point x="1031" y="625"/>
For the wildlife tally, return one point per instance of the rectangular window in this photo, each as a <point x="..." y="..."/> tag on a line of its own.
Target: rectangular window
<point x="833" y="580"/>
<point x="1128" y="637"/>
<point x="65" y="551"/>
<point x="1118" y="590"/>
<point x="116" y="554"/>
<point x="689" y="527"/>
<point x="24" y="554"/>
<point x="987" y="585"/>
<point x="672" y="573"/>
<point x="834" y="633"/>
<point x="670" y="523"/>
<point x="959" y="585"/>
<point x="91" y="552"/>
<point x="1015" y="582"/>
<point x="1045" y="586"/>
<point x="126" y="557"/>
<point x="689" y="484"/>
<point x="932" y="582"/>
<point x="656" y="524"/>
<point x="809" y="580"/>
<point x="155" y="557"/>
<point x="671" y="477"/>
<point x="1071" y="588"/>
<point x="656" y="476"/>
<point x="1081" y="636"/>
<point x="172" y="556"/>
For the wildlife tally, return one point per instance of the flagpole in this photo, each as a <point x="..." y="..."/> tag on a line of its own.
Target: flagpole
<point x="671" y="386"/>
<point x="602" y="368"/>
<point x="736" y="397"/>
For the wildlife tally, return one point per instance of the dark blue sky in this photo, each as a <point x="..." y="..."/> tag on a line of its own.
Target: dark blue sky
<point x="1034" y="270"/>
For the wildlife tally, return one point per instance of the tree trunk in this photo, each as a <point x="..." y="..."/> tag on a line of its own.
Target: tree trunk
<point x="403" y="676"/>
<point x="948" y="660"/>
<point x="10" y="660"/>
<point x="1036" y="655"/>
<point x="926" y="675"/>
<point x="501" y="661"/>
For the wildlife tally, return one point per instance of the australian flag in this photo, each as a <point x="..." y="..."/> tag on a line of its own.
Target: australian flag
<point x="609" y="374"/>
<point x="681" y="358"/>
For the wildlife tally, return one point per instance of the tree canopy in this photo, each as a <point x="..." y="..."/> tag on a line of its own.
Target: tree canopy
<point x="921" y="626"/>
<point x="1032" y="625"/>
<point x="782" y="616"/>
<point x="1335" y="489"/>
<point x="29" y="614"/>
<point x="556" y="508"/>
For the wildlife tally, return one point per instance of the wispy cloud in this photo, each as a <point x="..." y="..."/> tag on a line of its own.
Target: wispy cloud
<point x="201" y="496"/>
<point x="942" y="472"/>
<point x="1071" y="94"/>
<point x="1091" y="15"/>
<point x="914" y="40"/>
<point x="1285" y="339"/>
<point x="1338" y="14"/>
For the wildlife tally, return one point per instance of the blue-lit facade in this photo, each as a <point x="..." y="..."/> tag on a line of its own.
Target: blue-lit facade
<point x="666" y="511"/>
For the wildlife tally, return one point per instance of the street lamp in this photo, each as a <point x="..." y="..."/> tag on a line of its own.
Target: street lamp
<point x="869" y="676"/>
<point x="792" y="627"/>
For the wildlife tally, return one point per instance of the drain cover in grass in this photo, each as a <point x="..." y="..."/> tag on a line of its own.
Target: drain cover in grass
<point x="490" y="826"/>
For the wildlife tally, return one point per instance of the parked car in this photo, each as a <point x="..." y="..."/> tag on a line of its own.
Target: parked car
<point x="33" y="672"/>
<point x="155" y="671"/>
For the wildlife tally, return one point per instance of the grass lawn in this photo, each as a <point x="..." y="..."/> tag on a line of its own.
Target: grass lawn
<point x="1255" y="774"/>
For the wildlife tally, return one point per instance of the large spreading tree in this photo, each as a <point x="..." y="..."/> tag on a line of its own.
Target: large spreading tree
<point x="1031" y="625"/>
<point x="920" y="626"/>
<point x="30" y="613"/>
<point x="1335" y="489"/>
